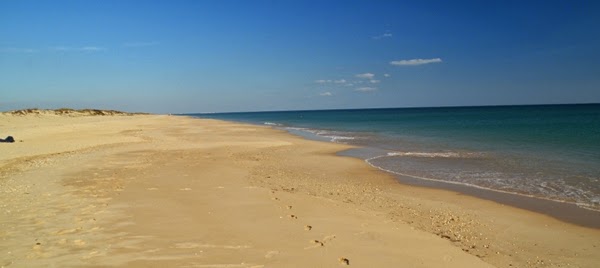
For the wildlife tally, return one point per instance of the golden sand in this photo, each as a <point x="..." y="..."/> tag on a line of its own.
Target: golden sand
<point x="168" y="191"/>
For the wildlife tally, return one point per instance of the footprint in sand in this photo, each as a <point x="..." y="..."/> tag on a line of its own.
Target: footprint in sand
<point x="307" y="227"/>
<point x="37" y="246"/>
<point x="320" y="243"/>
<point x="344" y="261"/>
<point x="315" y="244"/>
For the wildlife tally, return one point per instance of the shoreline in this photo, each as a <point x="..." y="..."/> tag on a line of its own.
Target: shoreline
<point x="130" y="191"/>
<point x="563" y="211"/>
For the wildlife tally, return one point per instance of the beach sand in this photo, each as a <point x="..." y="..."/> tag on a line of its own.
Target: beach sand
<point x="170" y="191"/>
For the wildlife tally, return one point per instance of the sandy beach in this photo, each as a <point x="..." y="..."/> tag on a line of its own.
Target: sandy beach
<point x="173" y="191"/>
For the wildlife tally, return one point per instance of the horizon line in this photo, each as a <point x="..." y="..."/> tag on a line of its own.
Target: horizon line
<point x="384" y="108"/>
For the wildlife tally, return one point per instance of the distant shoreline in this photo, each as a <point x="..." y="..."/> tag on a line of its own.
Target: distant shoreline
<point x="393" y="108"/>
<point x="68" y="112"/>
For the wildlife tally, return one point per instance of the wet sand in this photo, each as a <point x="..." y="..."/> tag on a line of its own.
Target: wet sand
<point x="148" y="190"/>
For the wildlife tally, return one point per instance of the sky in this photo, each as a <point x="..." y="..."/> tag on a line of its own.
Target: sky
<point x="225" y="56"/>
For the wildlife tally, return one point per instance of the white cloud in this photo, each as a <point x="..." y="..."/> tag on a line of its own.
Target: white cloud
<point x="373" y="81"/>
<point x="366" y="89"/>
<point x="386" y="75"/>
<point x="325" y="94"/>
<point x="329" y="81"/>
<point x="414" y="62"/>
<point x="366" y="76"/>
<point x="385" y="35"/>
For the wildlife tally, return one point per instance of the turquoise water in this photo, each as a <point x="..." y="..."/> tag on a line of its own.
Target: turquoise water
<point x="545" y="151"/>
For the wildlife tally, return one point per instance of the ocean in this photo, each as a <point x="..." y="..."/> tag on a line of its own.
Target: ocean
<point x="549" y="152"/>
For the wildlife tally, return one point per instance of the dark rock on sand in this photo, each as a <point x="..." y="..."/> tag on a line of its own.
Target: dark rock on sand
<point x="8" y="139"/>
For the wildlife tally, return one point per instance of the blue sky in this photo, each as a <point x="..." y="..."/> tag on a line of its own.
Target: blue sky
<point x="216" y="56"/>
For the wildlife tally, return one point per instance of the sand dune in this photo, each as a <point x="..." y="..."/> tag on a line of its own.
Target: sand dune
<point x="166" y="191"/>
<point x="67" y="112"/>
